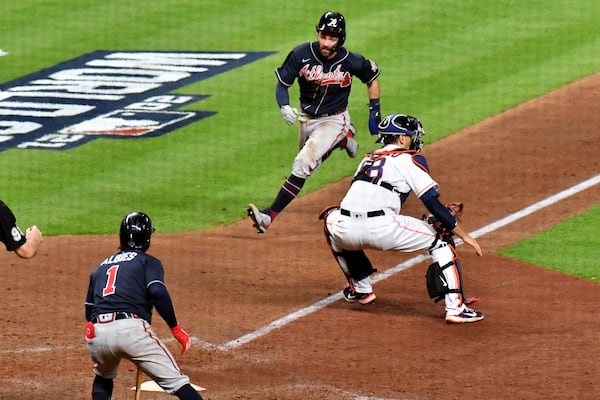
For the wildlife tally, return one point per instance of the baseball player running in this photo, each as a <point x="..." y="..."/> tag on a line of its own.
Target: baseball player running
<point x="324" y="69"/>
<point x="123" y="290"/>
<point x="369" y="218"/>
<point x="24" y="245"/>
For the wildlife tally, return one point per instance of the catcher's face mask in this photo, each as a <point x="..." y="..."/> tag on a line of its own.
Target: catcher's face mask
<point x="395" y="125"/>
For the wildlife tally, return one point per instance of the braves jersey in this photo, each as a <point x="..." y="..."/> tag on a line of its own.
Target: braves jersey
<point x="324" y="84"/>
<point x="384" y="179"/>
<point x="10" y="233"/>
<point x="121" y="282"/>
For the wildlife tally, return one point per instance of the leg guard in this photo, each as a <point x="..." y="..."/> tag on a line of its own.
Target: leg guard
<point x="448" y="275"/>
<point x="187" y="392"/>
<point x="358" y="264"/>
<point x="102" y="388"/>
<point x="355" y="264"/>
<point x="437" y="284"/>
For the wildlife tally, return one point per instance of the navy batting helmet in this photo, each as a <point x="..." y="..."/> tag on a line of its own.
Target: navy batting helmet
<point x="135" y="232"/>
<point x="333" y="22"/>
<point x="395" y="125"/>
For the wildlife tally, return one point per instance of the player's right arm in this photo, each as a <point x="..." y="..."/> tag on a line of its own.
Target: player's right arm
<point x="282" y="95"/>
<point x="25" y="246"/>
<point x="89" y="300"/>
<point x="32" y="245"/>
<point x="286" y="75"/>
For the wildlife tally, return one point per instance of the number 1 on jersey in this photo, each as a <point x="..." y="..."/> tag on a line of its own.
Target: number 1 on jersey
<point x="111" y="287"/>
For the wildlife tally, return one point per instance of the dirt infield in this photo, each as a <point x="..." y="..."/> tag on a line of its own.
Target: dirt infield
<point x="539" y="339"/>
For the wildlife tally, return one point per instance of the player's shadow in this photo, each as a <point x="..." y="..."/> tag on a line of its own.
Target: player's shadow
<point x="399" y="302"/>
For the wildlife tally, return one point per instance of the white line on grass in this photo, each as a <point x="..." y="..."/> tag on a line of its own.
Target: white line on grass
<point x="232" y="344"/>
<point x="409" y="263"/>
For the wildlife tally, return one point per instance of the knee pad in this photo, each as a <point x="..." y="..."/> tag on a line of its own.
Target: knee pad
<point x="442" y="253"/>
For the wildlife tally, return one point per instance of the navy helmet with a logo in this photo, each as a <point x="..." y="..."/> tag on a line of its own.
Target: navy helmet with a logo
<point x="333" y="22"/>
<point x="135" y="232"/>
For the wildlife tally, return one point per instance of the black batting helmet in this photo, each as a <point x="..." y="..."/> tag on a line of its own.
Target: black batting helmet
<point x="395" y="125"/>
<point x="333" y="22"/>
<point x="135" y="232"/>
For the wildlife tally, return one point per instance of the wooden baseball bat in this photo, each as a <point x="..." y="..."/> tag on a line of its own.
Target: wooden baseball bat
<point x="138" y="384"/>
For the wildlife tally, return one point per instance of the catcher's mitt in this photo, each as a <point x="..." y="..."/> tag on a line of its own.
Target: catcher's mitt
<point x="456" y="210"/>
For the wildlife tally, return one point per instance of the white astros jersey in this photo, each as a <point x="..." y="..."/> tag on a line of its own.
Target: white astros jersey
<point x="369" y="214"/>
<point x="384" y="179"/>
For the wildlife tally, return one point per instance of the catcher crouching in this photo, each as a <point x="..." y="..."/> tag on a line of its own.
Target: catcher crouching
<point x="369" y="217"/>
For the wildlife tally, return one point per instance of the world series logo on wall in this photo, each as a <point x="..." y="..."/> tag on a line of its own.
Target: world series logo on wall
<point x="110" y="94"/>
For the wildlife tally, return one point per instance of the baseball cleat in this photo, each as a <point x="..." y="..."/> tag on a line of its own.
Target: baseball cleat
<point x="363" y="298"/>
<point x="466" y="316"/>
<point x="351" y="143"/>
<point x="261" y="220"/>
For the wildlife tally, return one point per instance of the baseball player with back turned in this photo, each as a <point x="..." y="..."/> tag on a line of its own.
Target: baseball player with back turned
<point x="324" y="69"/>
<point x="123" y="290"/>
<point x="369" y="217"/>
<point x="24" y="245"/>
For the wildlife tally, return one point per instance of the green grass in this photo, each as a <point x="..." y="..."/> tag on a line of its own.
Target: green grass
<point x="450" y="63"/>
<point x="571" y="247"/>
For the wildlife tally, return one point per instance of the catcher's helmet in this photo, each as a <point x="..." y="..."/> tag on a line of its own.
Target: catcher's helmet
<point x="333" y="22"/>
<point x="136" y="229"/>
<point x="395" y="125"/>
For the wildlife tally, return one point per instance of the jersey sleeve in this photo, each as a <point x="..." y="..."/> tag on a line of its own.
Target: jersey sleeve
<point x="365" y="70"/>
<point x="10" y="233"/>
<point x="418" y="177"/>
<point x="288" y="71"/>
<point x="157" y="289"/>
<point x="155" y="272"/>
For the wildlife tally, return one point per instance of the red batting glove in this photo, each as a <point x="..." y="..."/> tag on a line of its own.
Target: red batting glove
<point x="182" y="337"/>
<point x="89" y="331"/>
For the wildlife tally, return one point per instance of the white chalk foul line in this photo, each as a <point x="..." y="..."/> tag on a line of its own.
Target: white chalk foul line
<point x="409" y="263"/>
<point x="537" y="206"/>
<point x="232" y="344"/>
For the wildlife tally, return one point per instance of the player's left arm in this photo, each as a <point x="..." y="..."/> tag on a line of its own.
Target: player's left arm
<point x="431" y="200"/>
<point x="161" y="299"/>
<point x="164" y="306"/>
<point x="368" y="72"/>
<point x="374" y="106"/>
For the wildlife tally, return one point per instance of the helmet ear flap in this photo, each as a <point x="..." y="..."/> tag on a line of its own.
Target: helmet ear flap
<point x="136" y="230"/>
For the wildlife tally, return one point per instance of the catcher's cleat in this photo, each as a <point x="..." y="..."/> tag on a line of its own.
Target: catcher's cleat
<point x="468" y="315"/>
<point x="351" y="143"/>
<point x="363" y="298"/>
<point x="261" y="219"/>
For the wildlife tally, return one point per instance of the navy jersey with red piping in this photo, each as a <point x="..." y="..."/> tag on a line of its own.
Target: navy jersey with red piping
<point x="10" y="233"/>
<point x="324" y="84"/>
<point x="121" y="283"/>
